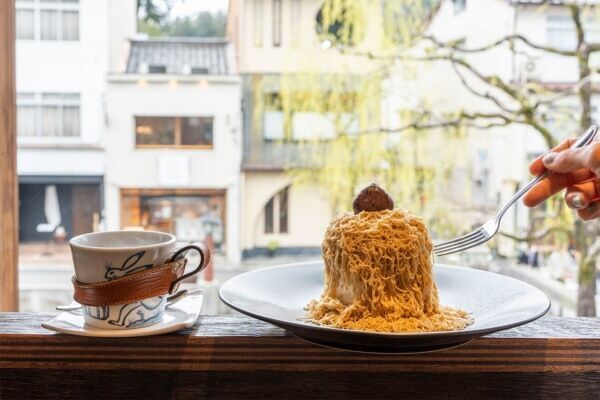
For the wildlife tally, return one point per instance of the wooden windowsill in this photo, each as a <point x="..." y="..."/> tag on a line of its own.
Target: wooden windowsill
<point x="238" y="357"/>
<point x="173" y="147"/>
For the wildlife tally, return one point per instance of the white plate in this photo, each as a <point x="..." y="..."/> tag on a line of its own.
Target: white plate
<point x="180" y="315"/>
<point x="279" y="294"/>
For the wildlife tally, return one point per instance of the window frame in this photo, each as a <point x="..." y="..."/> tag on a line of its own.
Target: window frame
<point x="176" y="134"/>
<point x="273" y="217"/>
<point x="37" y="6"/>
<point x="38" y="102"/>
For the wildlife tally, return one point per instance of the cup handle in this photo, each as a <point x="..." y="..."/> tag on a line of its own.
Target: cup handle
<point x="204" y="260"/>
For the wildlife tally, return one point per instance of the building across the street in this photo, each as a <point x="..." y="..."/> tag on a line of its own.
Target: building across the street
<point x="63" y="55"/>
<point x="277" y="42"/>
<point x="174" y="143"/>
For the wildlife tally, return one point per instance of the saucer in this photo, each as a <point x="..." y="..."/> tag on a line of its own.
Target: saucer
<point x="177" y="316"/>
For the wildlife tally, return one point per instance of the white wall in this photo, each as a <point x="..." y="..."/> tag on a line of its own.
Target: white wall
<point x="305" y="56"/>
<point x="71" y="67"/>
<point x="128" y="167"/>
<point x="123" y="25"/>
<point x="309" y="211"/>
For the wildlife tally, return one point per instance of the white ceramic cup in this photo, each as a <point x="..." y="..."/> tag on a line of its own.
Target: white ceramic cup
<point x="104" y="256"/>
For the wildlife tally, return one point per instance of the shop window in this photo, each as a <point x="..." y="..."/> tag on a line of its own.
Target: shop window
<point x="189" y="214"/>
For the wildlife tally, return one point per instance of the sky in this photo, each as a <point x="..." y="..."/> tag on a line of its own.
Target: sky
<point x="189" y="7"/>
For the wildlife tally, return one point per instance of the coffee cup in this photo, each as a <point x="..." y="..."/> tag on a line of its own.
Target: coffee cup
<point x="104" y="257"/>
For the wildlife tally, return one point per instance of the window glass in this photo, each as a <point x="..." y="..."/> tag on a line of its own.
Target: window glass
<point x="276" y="23"/>
<point x="70" y="121"/>
<point x="47" y="20"/>
<point x="196" y="131"/>
<point x="273" y="125"/>
<point x="295" y="18"/>
<point x="51" y="121"/>
<point x="174" y="131"/>
<point x="70" y="25"/>
<point x="157" y="69"/>
<point x="560" y="31"/>
<point x="48" y="114"/>
<point x="155" y="130"/>
<point x="269" y="215"/>
<point x="25" y="24"/>
<point x="26" y="120"/>
<point x="257" y="22"/>
<point x="189" y="216"/>
<point x="459" y="5"/>
<point x="49" y="25"/>
<point x="283" y="210"/>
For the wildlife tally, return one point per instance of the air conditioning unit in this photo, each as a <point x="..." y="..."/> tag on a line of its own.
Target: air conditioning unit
<point x="530" y="70"/>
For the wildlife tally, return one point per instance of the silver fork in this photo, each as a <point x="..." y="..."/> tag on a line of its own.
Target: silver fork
<point x="490" y="228"/>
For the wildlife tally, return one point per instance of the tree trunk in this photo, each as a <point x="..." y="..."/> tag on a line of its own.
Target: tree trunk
<point x="586" y="295"/>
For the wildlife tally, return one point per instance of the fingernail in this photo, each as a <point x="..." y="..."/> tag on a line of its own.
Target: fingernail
<point x="549" y="158"/>
<point x="577" y="200"/>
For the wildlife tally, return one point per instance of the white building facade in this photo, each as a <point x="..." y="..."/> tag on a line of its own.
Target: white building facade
<point x="173" y="144"/>
<point x="62" y="59"/>
<point x="500" y="156"/>
<point x="277" y="40"/>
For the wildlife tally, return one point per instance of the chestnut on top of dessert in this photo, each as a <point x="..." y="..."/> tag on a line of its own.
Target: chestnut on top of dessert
<point x="372" y="198"/>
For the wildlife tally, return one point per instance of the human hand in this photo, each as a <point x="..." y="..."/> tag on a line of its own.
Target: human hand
<point x="577" y="170"/>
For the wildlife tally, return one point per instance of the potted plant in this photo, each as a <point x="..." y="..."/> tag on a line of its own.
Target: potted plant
<point x="272" y="247"/>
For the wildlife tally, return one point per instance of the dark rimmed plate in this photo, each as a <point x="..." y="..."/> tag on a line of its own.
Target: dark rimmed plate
<point x="279" y="294"/>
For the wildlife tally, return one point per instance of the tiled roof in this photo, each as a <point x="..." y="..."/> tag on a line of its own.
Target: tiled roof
<point x="179" y="56"/>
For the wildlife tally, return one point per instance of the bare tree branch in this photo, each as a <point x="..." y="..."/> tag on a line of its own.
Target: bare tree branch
<point x="510" y="39"/>
<point x="537" y="235"/>
<point x="487" y="95"/>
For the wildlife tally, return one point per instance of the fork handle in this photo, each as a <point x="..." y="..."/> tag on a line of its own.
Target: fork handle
<point x="582" y="141"/>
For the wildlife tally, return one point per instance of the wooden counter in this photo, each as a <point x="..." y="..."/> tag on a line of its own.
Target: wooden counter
<point x="238" y="357"/>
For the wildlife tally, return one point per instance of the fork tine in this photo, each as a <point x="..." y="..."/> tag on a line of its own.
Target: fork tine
<point x="452" y="248"/>
<point x="473" y="244"/>
<point x="458" y="240"/>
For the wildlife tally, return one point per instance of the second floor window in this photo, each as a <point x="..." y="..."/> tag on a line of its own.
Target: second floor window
<point x="560" y="31"/>
<point x="174" y="132"/>
<point x="47" y="20"/>
<point x="459" y="5"/>
<point x="48" y="115"/>
<point x="276" y="23"/>
<point x="257" y="22"/>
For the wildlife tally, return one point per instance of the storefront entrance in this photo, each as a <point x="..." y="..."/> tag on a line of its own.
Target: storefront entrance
<point x="64" y="205"/>
<point x="188" y="214"/>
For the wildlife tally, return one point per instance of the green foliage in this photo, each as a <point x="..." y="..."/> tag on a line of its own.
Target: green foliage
<point x="204" y="24"/>
<point x="405" y="21"/>
<point x="151" y="12"/>
<point x="155" y="22"/>
<point x="341" y="22"/>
